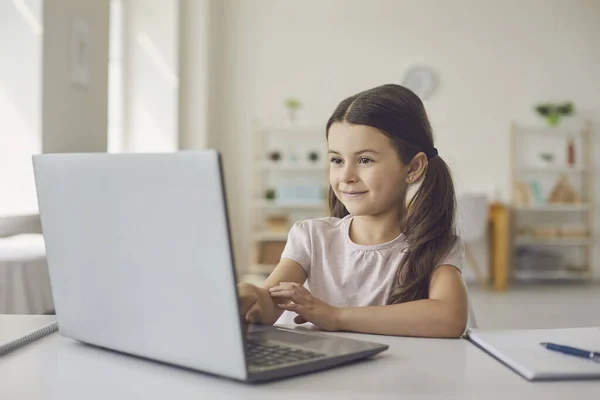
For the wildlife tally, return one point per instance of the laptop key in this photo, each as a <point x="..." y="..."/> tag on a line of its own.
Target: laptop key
<point x="268" y="355"/>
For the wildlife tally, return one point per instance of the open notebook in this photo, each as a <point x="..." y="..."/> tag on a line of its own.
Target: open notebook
<point x="521" y="351"/>
<point x="24" y="330"/>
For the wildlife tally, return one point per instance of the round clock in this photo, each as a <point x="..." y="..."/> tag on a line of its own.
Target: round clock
<point x="421" y="80"/>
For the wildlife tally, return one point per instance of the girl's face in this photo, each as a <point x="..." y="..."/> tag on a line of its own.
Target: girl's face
<point x="365" y="172"/>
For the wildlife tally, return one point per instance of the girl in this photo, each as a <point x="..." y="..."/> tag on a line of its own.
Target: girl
<point x="388" y="261"/>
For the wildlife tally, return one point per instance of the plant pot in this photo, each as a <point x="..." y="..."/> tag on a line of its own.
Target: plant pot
<point x="553" y="119"/>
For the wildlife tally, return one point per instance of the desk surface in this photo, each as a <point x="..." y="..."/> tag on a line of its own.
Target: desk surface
<point x="58" y="368"/>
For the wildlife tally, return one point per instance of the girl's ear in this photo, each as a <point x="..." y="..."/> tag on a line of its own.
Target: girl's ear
<point x="416" y="168"/>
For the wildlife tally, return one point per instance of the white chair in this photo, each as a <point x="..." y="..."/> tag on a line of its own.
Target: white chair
<point x="472" y="221"/>
<point x="24" y="281"/>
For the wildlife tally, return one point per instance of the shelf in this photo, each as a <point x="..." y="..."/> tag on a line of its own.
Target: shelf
<point x="282" y="206"/>
<point x="556" y="207"/>
<point x="264" y="236"/>
<point x="294" y="130"/>
<point x="548" y="131"/>
<point x="555" y="170"/>
<point x="558" y="241"/>
<point x="535" y="275"/>
<point x="262" y="269"/>
<point x="271" y="166"/>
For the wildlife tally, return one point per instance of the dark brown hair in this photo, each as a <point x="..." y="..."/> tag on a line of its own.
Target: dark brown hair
<point x="428" y="221"/>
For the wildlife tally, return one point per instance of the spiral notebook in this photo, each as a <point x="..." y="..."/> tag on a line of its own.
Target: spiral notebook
<point x="18" y="331"/>
<point x="521" y="351"/>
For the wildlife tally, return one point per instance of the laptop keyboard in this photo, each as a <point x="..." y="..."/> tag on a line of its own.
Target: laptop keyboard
<point x="265" y="355"/>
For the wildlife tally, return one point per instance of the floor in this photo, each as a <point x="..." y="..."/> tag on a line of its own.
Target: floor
<point x="525" y="306"/>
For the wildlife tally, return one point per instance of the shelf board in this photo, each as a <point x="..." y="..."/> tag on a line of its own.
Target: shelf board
<point x="271" y="166"/>
<point x="289" y="205"/>
<point x="556" y="207"/>
<point x="558" y="241"/>
<point x="274" y="236"/>
<point x="548" y="131"/>
<point x="555" y="170"/>
<point x="534" y="275"/>
<point x="294" y="130"/>
<point x="263" y="269"/>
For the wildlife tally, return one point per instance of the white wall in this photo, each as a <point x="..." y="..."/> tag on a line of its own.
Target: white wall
<point x="151" y="75"/>
<point x="20" y="102"/>
<point x="74" y="116"/>
<point x="496" y="60"/>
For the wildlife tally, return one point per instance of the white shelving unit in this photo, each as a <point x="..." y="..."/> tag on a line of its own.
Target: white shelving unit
<point x="299" y="185"/>
<point x="555" y="208"/>
<point x="541" y="156"/>
<point x="560" y="241"/>
<point x="541" y="275"/>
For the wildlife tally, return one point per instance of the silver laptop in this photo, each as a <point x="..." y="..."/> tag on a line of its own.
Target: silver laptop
<point x="140" y="261"/>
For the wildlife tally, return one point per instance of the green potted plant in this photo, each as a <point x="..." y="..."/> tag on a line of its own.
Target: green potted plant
<point x="553" y="112"/>
<point x="292" y="104"/>
<point x="270" y="194"/>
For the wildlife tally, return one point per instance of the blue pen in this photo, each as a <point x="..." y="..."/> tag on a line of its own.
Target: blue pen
<point x="572" y="351"/>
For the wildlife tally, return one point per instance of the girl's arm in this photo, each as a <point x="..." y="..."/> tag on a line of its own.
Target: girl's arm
<point x="444" y="314"/>
<point x="257" y="305"/>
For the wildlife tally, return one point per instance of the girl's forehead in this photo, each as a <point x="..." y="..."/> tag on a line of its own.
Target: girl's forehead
<point x="348" y="137"/>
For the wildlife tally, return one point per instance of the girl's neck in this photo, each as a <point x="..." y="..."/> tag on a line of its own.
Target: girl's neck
<point x="368" y="230"/>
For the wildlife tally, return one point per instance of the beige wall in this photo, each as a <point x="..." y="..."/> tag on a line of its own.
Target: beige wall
<point x="74" y="118"/>
<point x="495" y="59"/>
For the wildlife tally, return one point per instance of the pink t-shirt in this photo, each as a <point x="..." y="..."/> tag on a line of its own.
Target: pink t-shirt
<point x="343" y="273"/>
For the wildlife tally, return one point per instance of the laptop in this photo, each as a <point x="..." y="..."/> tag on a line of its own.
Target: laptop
<point x="140" y="259"/>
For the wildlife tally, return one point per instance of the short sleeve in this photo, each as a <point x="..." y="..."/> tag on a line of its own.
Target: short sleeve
<point x="456" y="255"/>
<point x="298" y="247"/>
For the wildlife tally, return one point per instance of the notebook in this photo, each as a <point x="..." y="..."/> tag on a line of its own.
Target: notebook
<point x="18" y="330"/>
<point x="521" y="351"/>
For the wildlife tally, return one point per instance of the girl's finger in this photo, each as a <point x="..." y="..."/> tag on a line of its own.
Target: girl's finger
<point x="290" y="295"/>
<point x="291" y="306"/>
<point x="300" y="320"/>
<point x="282" y="293"/>
<point x="278" y="289"/>
<point x="253" y="315"/>
<point x="297" y="308"/>
<point x="284" y="285"/>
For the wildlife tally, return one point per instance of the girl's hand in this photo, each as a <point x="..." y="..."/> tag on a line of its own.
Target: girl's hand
<point x="256" y="305"/>
<point x="298" y="299"/>
<point x="250" y="309"/>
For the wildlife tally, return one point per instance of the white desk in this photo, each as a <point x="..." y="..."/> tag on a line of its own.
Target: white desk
<point x="58" y="368"/>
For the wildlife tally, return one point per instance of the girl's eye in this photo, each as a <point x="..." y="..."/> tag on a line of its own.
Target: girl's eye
<point x="335" y="160"/>
<point x="364" y="160"/>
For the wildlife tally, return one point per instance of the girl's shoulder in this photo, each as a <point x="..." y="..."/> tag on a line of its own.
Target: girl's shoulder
<point x="326" y="226"/>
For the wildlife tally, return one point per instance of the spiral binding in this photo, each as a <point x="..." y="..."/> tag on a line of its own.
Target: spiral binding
<point x="15" y="344"/>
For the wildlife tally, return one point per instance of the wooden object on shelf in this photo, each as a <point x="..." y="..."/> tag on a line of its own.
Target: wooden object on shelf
<point x="522" y="193"/>
<point x="499" y="237"/>
<point x="574" y="232"/>
<point x="563" y="192"/>
<point x="545" y="231"/>
<point x="270" y="251"/>
<point x="277" y="223"/>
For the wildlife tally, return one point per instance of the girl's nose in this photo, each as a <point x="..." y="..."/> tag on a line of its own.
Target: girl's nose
<point x="348" y="174"/>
